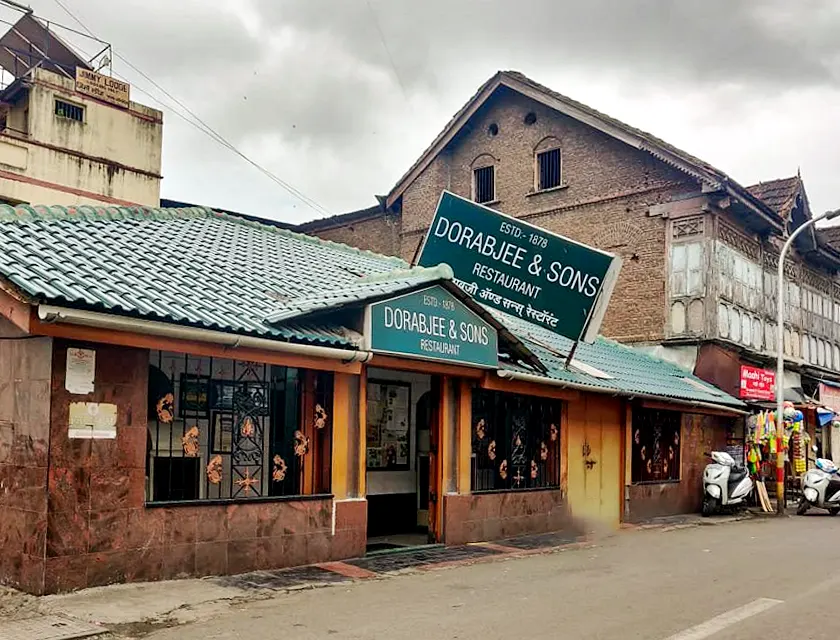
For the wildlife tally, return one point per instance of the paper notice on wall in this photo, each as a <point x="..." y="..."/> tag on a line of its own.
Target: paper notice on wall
<point x="81" y="370"/>
<point x="92" y="420"/>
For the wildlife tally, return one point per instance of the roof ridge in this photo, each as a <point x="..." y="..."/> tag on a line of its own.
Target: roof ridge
<point x="346" y="248"/>
<point x="648" y="356"/>
<point x="23" y="213"/>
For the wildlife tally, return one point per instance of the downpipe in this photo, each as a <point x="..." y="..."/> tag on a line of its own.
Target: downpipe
<point x="62" y="315"/>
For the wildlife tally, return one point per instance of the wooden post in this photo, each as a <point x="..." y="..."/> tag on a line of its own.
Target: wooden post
<point x="341" y="429"/>
<point x="464" y="437"/>
<point x="362" y="440"/>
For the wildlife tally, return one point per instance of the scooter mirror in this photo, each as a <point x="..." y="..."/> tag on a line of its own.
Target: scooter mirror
<point x="814" y="448"/>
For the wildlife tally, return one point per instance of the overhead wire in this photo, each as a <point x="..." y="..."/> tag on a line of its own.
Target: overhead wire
<point x="200" y="124"/>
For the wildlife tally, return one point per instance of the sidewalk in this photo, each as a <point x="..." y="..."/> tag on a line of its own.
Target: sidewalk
<point x="132" y="610"/>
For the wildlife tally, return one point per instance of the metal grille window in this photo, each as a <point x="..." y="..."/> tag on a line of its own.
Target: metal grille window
<point x="548" y="166"/>
<point x="484" y="184"/>
<point x="656" y="445"/>
<point x="222" y="429"/>
<point x="68" y="110"/>
<point x="515" y="442"/>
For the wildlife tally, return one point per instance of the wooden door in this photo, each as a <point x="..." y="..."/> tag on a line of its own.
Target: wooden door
<point x="594" y="463"/>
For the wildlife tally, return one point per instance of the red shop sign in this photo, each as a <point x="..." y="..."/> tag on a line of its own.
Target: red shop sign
<point x="757" y="384"/>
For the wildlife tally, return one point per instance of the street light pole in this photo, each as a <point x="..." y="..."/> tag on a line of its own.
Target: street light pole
<point x="780" y="358"/>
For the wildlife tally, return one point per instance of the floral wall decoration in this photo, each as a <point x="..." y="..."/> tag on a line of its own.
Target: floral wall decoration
<point x="165" y="408"/>
<point x="301" y="444"/>
<point x="190" y="442"/>
<point x="278" y="473"/>
<point x="479" y="429"/>
<point x="248" y="428"/>
<point x="320" y="417"/>
<point x="247" y="482"/>
<point x="215" y="470"/>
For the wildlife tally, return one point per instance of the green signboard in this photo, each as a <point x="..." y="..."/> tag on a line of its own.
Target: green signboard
<point x="431" y="324"/>
<point x="521" y="269"/>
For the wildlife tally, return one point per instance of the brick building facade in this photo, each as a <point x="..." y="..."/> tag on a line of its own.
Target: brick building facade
<point x="625" y="191"/>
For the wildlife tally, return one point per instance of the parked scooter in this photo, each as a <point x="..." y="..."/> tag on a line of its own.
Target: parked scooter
<point x="725" y="483"/>
<point x="821" y="488"/>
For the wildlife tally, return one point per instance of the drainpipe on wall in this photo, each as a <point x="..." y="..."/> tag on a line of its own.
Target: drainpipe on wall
<point x="51" y="314"/>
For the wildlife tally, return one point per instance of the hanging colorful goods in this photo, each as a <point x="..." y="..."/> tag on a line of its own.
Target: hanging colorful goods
<point x="553" y="431"/>
<point x="214" y="470"/>
<point x="320" y="417"/>
<point x="479" y="429"/>
<point x="190" y="443"/>
<point x="543" y="451"/>
<point x="491" y="450"/>
<point x="534" y="470"/>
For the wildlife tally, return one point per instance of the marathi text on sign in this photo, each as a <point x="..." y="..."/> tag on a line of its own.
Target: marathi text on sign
<point x="757" y="384"/>
<point x="102" y="87"/>
<point x="520" y="269"/>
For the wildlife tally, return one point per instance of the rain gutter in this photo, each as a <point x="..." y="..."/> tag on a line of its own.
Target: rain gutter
<point x="63" y="315"/>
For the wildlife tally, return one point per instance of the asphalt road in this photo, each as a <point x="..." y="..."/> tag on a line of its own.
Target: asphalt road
<point x="763" y="579"/>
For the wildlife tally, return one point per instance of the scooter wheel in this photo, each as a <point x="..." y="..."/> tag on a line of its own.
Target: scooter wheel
<point x="833" y="512"/>
<point x="802" y="508"/>
<point x="709" y="506"/>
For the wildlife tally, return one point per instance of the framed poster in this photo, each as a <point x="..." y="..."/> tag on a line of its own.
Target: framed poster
<point x="388" y="425"/>
<point x="193" y="400"/>
<point x="222" y="432"/>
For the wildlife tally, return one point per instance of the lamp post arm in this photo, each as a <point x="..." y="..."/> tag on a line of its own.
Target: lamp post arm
<point x="780" y="357"/>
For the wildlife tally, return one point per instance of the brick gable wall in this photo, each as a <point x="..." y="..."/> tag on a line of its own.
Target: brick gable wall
<point x="608" y="189"/>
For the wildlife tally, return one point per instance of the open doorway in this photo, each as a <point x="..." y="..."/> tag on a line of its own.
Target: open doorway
<point x="400" y="435"/>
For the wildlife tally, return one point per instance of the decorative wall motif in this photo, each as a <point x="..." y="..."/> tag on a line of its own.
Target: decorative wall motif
<point x="687" y="227"/>
<point x="734" y="238"/>
<point x="190" y="442"/>
<point x="278" y="473"/>
<point x="215" y="469"/>
<point x="515" y="442"/>
<point x="224" y="429"/>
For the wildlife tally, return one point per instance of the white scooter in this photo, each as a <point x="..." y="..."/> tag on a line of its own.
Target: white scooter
<point x="725" y="484"/>
<point x="821" y="488"/>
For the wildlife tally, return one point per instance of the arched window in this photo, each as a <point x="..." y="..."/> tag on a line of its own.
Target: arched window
<point x="484" y="178"/>
<point x="548" y="164"/>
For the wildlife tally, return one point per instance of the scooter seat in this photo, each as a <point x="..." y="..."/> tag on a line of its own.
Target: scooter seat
<point x="737" y="473"/>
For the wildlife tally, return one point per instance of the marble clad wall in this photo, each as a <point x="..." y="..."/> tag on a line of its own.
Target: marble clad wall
<point x="99" y="530"/>
<point x="24" y="433"/>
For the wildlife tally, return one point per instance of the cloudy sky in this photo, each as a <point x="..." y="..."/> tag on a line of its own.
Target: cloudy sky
<point x="339" y="97"/>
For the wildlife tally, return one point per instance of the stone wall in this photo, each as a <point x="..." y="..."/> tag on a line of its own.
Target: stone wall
<point x="100" y="531"/>
<point x="24" y="434"/>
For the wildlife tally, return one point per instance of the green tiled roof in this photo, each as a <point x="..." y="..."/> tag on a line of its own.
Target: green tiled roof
<point x="627" y="370"/>
<point x="190" y="266"/>
<point x="201" y="268"/>
<point x="379" y="286"/>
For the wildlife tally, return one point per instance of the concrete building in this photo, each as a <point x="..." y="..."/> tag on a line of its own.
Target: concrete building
<point x="61" y="144"/>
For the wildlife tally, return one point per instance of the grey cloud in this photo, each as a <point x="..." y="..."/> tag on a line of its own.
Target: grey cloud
<point x="307" y="86"/>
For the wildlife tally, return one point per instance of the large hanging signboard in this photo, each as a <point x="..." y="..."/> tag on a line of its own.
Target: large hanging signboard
<point x="431" y="324"/>
<point x="757" y="384"/>
<point x="521" y="269"/>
